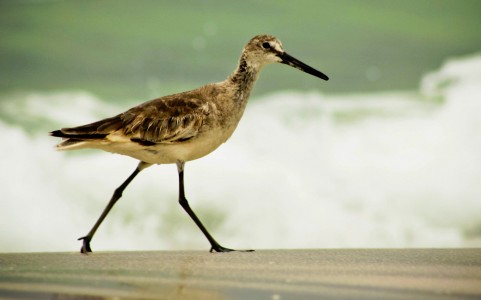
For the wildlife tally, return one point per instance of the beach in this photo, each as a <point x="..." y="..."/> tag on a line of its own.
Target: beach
<point x="263" y="274"/>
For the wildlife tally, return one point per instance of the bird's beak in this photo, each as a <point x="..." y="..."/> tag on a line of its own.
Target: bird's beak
<point x="294" y="62"/>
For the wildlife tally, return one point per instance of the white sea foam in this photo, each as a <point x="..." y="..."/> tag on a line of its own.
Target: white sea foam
<point x="302" y="170"/>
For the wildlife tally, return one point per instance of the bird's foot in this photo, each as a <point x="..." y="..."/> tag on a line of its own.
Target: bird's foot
<point x="85" y="245"/>
<point x="219" y="248"/>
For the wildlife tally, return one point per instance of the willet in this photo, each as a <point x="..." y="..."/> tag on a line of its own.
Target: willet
<point x="180" y="127"/>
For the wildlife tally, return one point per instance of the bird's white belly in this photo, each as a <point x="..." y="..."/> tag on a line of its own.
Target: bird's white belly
<point x="167" y="153"/>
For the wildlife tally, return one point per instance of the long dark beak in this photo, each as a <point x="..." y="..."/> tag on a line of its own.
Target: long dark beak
<point x="294" y="62"/>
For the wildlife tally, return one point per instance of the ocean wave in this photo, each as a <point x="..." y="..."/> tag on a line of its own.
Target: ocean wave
<point x="303" y="170"/>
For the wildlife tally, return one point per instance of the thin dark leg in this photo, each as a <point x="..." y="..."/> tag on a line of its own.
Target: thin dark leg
<point x="115" y="197"/>
<point x="215" y="246"/>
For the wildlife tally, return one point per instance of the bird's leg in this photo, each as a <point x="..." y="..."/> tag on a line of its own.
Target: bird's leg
<point x="215" y="246"/>
<point x="115" y="197"/>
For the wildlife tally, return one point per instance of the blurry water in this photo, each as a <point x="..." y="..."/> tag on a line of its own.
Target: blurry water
<point x="302" y="170"/>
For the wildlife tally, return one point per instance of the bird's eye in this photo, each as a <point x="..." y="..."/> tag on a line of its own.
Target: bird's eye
<point x="266" y="45"/>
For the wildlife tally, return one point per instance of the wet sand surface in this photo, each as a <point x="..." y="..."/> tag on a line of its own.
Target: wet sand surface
<point x="264" y="274"/>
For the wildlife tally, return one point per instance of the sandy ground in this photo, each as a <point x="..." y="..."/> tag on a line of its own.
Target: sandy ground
<point x="265" y="274"/>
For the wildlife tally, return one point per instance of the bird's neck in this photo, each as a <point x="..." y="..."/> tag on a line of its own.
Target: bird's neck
<point x="243" y="78"/>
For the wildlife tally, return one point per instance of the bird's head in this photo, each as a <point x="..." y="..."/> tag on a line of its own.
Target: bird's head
<point x="266" y="49"/>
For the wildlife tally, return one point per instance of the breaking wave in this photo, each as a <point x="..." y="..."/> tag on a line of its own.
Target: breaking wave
<point x="303" y="170"/>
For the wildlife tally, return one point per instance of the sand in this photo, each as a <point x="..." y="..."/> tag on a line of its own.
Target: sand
<point x="264" y="274"/>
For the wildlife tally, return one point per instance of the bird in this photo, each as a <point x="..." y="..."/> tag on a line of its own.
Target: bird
<point x="182" y="127"/>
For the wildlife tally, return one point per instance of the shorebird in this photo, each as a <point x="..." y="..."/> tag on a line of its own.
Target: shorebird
<point x="180" y="127"/>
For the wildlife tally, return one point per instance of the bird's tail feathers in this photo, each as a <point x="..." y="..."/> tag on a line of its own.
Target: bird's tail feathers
<point x="76" y="136"/>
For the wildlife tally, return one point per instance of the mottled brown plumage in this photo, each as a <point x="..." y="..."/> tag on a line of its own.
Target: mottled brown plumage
<point x="181" y="127"/>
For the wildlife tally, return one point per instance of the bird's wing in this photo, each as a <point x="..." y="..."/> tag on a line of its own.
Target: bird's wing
<point x="165" y="120"/>
<point x="168" y="119"/>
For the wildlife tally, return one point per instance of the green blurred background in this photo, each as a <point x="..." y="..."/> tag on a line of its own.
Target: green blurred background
<point x="135" y="50"/>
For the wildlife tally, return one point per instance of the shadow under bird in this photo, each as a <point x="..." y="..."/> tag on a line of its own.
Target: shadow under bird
<point x="180" y="127"/>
